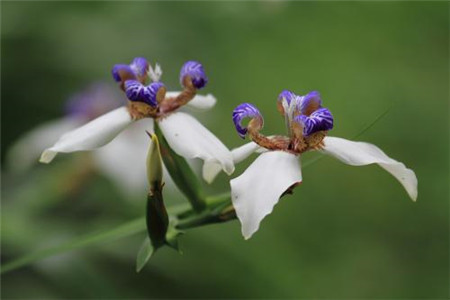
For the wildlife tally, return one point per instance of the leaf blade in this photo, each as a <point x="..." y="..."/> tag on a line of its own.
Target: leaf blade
<point x="124" y="230"/>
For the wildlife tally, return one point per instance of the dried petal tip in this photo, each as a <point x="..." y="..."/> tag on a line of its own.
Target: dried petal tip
<point x="151" y="94"/>
<point x="310" y="103"/>
<point x="193" y="70"/>
<point x="284" y="100"/>
<point x="242" y="111"/>
<point x="320" y="120"/>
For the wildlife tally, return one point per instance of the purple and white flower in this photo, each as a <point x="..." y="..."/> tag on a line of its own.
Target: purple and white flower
<point x="149" y="103"/>
<point x="277" y="169"/>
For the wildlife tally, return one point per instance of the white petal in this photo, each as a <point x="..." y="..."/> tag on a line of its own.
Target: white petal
<point x="26" y="151"/>
<point x="123" y="160"/>
<point x="211" y="169"/>
<point x="360" y="154"/>
<point x="259" y="188"/>
<point x="190" y="139"/>
<point x="93" y="135"/>
<point x="199" y="102"/>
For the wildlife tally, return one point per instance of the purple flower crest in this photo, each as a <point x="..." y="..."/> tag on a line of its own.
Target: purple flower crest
<point x="242" y="111"/>
<point x="139" y="66"/>
<point x="288" y="95"/>
<point x="136" y="70"/>
<point x="319" y="120"/>
<point x="136" y="91"/>
<point x="195" y="71"/>
<point x="309" y="103"/>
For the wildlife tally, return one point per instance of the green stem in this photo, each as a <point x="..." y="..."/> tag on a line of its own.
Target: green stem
<point x="124" y="230"/>
<point x="219" y="210"/>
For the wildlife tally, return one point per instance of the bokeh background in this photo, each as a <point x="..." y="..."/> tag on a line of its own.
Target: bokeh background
<point x="347" y="232"/>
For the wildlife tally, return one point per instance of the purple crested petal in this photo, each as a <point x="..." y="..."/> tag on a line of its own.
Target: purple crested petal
<point x="320" y="120"/>
<point x="133" y="89"/>
<point x="152" y="90"/>
<point x="136" y="91"/>
<point x="122" y="72"/>
<point x="309" y="103"/>
<point x="139" y="66"/>
<point x="288" y="95"/>
<point x="195" y="71"/>
<point x="242" y="111"/>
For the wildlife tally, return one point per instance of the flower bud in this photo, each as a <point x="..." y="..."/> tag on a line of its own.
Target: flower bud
<point x="154" y="164"/>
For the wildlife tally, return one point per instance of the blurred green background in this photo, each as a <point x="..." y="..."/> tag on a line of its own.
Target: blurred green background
<point x="347" y="232"/>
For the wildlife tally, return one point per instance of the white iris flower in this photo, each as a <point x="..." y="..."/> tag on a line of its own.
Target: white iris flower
<point x="146" y="105"/>
<point x="277" y="169"/>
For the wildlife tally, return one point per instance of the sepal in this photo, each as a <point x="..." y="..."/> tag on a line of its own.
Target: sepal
<point x="157" y="219"/>
<point x="172" y="236"/>
<point x="145" y="253"/>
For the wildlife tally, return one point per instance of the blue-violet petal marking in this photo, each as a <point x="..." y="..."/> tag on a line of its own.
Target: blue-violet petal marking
<point x="136" y="91"/>
<point x="139" y="66"/>
<point x="244" y="110"/>
<point x="288" y="95"/>
<point x="195" y="71"/>
<point x="122" y="72"/>
<point x="319" y="120"/>
<point x="310" y="103"/>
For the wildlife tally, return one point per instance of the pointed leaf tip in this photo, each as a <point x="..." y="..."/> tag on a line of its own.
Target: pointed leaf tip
<point x="145" y="252"/>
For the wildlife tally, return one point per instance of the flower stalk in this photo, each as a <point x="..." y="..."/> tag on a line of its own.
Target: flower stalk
<point x="219" y="210"/>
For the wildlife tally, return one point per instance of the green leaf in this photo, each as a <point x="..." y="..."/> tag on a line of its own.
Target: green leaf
<point x="183" y="176"/>
<point x="121" y="231"/>
<point x="145" y="252"/>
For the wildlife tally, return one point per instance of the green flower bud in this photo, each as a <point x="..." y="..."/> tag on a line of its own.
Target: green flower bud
<point x="154" y="164"/>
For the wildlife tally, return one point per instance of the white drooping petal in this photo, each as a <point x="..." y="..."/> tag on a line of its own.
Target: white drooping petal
<point x="26" y="151"/>
<point x="123" y="160"/>
<point x="92" y="135"/>
<point x="190" y="139"/>
<point x="259" y="188"/>
<point x="200" y="102"/>
<point x="212" y="169"/>
<point x="360" y="154"/>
